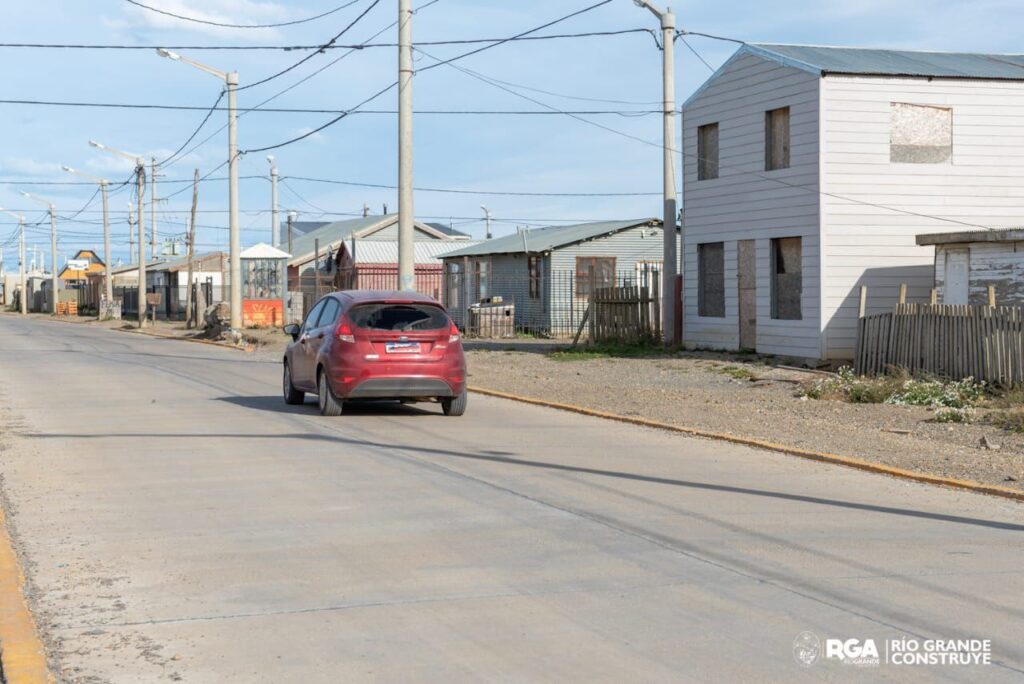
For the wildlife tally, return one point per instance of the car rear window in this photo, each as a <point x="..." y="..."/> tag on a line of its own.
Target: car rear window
<point x="398" y="317"/>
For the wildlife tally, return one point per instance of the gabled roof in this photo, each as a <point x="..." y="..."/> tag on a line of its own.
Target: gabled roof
<point x="263" y="251"/>
<point x="549" y="238"/>
<point x="304" y="248"/>
<point x="823" y="60"/>
<point x="386" y="251"/>
<point x="448" y="230"/>
<point x="95" y="255"/>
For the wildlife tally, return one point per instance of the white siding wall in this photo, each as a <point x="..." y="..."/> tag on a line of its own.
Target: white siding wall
<point x="990" y="263"/>
<point x="865" y="245"/>
<point x="747" y="202"/>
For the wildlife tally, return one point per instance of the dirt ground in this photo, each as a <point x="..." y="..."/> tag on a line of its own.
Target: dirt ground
<point x="740" y="395"/>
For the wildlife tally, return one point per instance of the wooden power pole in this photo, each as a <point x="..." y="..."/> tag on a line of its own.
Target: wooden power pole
<point x="191" y="251"/>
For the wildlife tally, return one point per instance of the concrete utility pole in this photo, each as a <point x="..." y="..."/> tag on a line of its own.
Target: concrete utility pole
<point x="108" y="290"/>
<point x="406" y="212"/>
<point x="274" y="228"/>
<point x="52" y="210"/>
<point x="291" y="220"/>
<point x="21" y="258"/>
<point x="140" y="176"/>
<point x="131" y="230"/>
<point x="191" y="250"/>
<point x="670" y="303"/>
<point x="230" y="79"/>
<point x="487" y="216"/>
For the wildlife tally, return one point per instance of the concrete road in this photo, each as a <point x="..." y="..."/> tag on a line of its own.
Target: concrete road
<point x="178" y="521"/>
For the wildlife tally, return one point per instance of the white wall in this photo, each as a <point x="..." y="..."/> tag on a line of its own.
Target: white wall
<point x="747" y="202"/>
<point x="984" y="185"/>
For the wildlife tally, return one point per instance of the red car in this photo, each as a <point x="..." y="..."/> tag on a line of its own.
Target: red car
<point x="360" y="344"/>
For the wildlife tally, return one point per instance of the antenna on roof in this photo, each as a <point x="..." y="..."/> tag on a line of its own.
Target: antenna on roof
<point x="385" y="208"/>
<point x="366" y="209"/>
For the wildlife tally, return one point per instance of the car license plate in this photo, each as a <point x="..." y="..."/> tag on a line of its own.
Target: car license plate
<point x="402" y="347"/>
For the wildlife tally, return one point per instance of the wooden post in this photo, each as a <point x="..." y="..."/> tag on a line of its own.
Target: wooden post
<point x="592" y="278"/>
<point x="863" y="300"/>
<point x="316" y="269"/>
<point x="992" y="295"/>
<point x="903" y="293"/>
<point x="191" y="251"/>
<point x="935" y="296"/>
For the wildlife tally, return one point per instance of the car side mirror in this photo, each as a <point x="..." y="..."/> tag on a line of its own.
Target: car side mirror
<point x="293" y="330"/>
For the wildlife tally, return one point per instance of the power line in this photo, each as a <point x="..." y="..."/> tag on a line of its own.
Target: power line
<point x="504" y="193"/>
<point x="450" y="60"/>
<point x="196" y="131"/>
<point x="293" y="110"/>
<point x="240" y="26"/>
<point x="321" y="48"/>
<point x="314" y="54"/>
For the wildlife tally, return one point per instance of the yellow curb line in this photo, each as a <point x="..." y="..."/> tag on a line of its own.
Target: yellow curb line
<point x="993" y="490"/>
<point x="21" y="651"/>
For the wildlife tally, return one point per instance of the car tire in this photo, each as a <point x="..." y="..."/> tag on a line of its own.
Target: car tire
<point x="455" y="406"/>
<point x="291" y="395"/>
<point x="330" y="405"/>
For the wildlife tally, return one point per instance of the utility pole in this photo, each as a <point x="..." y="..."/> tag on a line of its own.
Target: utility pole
<point x="487" y="215"/>
<point x="108" y="290"/>
<point x="230" y="80"/>
<point x="52" y="210"/>
<point x="21" y="259"/>
<point x="152" y="205"/>
<point x="670" y="303"/>
<point x="140" y="173"/>
<point x="274" y="228"/>
<point x="131" y="230"/>
<point x="291" y="220"/>
<point x="191" y="250"/>
<point x="406" y="212"/>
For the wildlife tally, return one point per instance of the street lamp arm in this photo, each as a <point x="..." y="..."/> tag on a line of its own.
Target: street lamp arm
<point x="650" y="6"/>
<point x="163" y="52"/>
<point x="139" y="161"/>
<point x="83" y="174"/>
<point x="38" y="200"/>
<point x="21" y="219"/>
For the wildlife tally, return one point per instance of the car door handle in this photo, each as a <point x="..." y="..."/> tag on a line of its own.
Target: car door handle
<point x="320" y="336"/>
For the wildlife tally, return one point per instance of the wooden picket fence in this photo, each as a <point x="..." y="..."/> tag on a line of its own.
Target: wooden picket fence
<point x="628" y="315"/>
<point x="945" y="340"/>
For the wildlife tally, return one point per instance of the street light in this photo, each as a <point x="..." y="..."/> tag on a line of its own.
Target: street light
<point x="274" y="230"/>
<point x="21" y="257"/>
<point x="140" y="185"/>
<point x="108" y="290"/>
<point x="670" y="302"/>
<point x="53" y="245"/>
<point x="487" y="215"/>
<point x="230" y="79"/>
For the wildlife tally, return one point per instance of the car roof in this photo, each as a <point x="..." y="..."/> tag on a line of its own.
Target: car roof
<point x="385" y="296"/>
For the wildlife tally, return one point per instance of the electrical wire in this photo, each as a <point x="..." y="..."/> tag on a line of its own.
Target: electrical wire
<point x="501" y="193"/>
<point x="315" y="53"/>
<point x="239" y="26"/>
<point x="320" y="48"/>
<point x="192" y="137"/>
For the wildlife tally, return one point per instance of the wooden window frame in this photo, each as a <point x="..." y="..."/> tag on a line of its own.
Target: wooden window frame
<point x="770" y="162"/>
<point x="774" y="252"/>
<point x="707" y="167"/>
<point x="583" y="273"/>
<point x="703" y="309"/>
<point x="534" y="266"/>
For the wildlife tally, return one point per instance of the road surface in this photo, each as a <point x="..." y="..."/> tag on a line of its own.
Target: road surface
<point x="177" y="521"/>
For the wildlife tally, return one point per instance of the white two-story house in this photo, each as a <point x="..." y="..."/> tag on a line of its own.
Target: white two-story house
<point x="808" y="172"/>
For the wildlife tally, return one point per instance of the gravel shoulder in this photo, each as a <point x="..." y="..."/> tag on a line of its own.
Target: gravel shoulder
<point x="751" y="399"/>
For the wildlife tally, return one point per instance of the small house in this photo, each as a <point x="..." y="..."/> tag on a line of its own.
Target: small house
<point x="967" y="263"/>
<point x="73" y="278"/>
<point x="810" y="171"/>
<point x="543" y="277"/>
<point x="263" y="286"/>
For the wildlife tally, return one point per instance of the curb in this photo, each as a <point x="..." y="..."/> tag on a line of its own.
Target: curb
<point x="212" y="343"/>
<point x="21" y="652"/>
<point x="822" y="457"/>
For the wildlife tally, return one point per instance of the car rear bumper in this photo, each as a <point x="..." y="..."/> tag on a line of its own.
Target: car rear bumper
<point x="400" y="388"/>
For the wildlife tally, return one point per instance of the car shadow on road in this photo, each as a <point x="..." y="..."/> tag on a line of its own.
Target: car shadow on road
<point x="275" y="404"/>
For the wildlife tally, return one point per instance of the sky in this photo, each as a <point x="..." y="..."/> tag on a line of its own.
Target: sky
<point x="478" y="153"/>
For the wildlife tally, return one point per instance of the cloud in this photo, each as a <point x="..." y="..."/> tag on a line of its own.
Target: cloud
<point x="318" y="138"/>
<point x="20" y="166"/>
<point x="219" y="11"/>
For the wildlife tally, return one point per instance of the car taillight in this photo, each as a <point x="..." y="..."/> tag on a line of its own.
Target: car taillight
<point x="453" y="334"/>
<point x="344" y="333"/>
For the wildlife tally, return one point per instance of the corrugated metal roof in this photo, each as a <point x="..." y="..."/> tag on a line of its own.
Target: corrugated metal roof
<point x="386" y="251"/>
<point x="546" y="239"/>
<point x="263" y="251"/>
<point x="967" y="236"/>
<point x="333" y="233"/>
<point x="876" y="62"/>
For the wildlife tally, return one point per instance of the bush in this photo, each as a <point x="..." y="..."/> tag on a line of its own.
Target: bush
<point x="949" y="414"/>
<point x="898" y="389"/>
<point x="1011" y="421"/>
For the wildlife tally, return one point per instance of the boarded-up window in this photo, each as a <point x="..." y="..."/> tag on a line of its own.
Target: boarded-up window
<point x="533" y="266"/>
<point x="776" y="139"/>
<point x="787" y="278"/>
<point x="920" y="134"/>
<point x="711" y="280"/>
<point x="707" y="152"/>
<point x="604" y="273"/>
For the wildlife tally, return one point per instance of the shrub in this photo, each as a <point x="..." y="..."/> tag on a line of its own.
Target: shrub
<point x="898" y="389"/>
<point x="1012" y="421"/>
<point x="950" y="414"/>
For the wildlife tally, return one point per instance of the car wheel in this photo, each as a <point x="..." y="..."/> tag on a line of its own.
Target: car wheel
<point x="455" y="406"/>
<point x="329" y="404"/>
<point x="291" y="395"/>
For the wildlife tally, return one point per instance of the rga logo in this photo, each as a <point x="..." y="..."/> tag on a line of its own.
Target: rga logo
<point x="852" y="651"/>
<point x="806" y="648"/>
